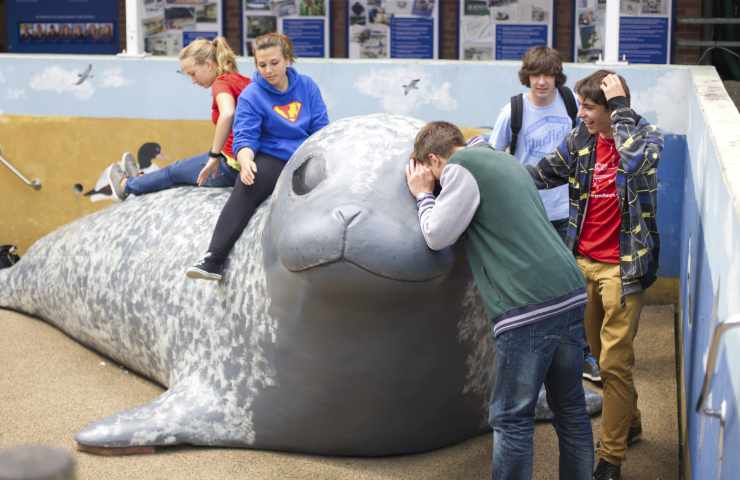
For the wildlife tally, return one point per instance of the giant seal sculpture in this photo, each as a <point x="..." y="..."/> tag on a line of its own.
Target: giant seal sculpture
<point x="334" y="331"/>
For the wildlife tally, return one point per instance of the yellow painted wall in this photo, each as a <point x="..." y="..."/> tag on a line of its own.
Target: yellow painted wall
<point x="64" y="151"/>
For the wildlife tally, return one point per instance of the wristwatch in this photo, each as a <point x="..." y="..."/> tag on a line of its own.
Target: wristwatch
<point x="217" y="155"/>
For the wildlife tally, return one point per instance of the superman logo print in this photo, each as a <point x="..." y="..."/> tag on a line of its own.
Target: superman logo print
<point x="289" y="112"/>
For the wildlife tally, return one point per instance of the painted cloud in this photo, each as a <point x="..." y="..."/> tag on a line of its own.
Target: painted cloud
<point x="670" y="115"/>
<point x="15" y="94"/>
<point x="56" y="79"/>
<point x="113" y="78"/>
<point x="387" y="86"/>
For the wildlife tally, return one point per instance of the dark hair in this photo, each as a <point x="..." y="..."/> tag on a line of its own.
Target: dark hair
<point x="590" y="88"/>
<point x="439" y="138"/>
<point x="542" y="61"/>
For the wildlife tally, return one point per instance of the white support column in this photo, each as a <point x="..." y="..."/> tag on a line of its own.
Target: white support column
<point x="134" y="34"/>
<point x="611" y="34"/>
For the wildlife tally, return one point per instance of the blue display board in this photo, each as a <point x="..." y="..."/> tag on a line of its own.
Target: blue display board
<point x="513" y="40"/>
<point x="63" y="26"/>
<point x="643" y="39"/>
<point x="412" y="37"/>
<point x="308" y="36"/>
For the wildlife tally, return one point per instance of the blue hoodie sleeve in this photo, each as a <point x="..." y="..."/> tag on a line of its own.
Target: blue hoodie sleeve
<point x="319" y="116"/>
<point x="247" y="126"/>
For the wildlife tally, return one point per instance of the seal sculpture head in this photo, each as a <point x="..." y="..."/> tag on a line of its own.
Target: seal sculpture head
<point x="334" y="331"/>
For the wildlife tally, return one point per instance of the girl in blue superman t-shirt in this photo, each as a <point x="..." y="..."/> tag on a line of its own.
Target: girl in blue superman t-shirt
<point x="274" y="115"/>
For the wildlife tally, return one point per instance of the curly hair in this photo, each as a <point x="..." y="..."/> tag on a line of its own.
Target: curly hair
<point x="542" y="61"/>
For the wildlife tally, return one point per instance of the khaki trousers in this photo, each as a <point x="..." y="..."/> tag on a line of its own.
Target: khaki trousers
<point x="611" y="325"/>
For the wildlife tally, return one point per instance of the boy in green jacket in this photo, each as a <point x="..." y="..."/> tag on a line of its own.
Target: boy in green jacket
<point x="529" y="283"/>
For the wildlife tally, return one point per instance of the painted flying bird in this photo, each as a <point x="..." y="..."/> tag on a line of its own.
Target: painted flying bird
<point x="81" y="77"/>
<point x="412" y="85"/>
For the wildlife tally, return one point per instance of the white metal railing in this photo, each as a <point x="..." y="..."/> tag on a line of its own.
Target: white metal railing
<point x="35" y="183"/>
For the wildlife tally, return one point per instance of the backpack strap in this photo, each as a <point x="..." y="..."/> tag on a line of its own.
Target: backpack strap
<point x="517" y="109"/>
<point x="570" y="103"/>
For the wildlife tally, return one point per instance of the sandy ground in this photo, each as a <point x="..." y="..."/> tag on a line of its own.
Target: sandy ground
<point x="51" y="386"/>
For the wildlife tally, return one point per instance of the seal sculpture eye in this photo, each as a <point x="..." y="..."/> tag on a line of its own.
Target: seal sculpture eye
<point x="309" y="175"/>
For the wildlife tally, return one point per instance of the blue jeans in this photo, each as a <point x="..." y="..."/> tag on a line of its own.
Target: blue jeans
<point x="550" y="352"/>
<point x="182" y="172"/>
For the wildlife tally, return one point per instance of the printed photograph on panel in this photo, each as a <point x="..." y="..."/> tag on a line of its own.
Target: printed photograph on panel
<point x="312" y="8"/>
<point x="257" y="25"/>
<point x="153" y="7"/>
<point x="284" y="8"/>
<point x="258" y="5"/>
<point x="395" y="7"/>
<point x="207" y="13"/>
<point x="423" y="8"/>
<point x="630" y="7"/>
<point x="179" y="17"/>
<point x="653" y="7"/>
<point x="153" y="25"/>
<point x="357" y="14"/>
<point x="378" y="15"/>
<point x="369" y="42"/>
<point x="165" y="43"/>
<point x="476" y="7"/>
<point x="478" y="52"/>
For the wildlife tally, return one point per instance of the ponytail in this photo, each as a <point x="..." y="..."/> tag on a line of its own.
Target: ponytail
<point x="216" y="50"/>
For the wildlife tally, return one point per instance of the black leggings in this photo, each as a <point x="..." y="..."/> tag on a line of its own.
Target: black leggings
<point x="241" y="205"/>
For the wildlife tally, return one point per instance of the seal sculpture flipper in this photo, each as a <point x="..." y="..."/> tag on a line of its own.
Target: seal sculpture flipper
<point x="190" y="413"/>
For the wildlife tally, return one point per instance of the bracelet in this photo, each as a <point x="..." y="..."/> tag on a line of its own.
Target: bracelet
<point x="217" y="155"/>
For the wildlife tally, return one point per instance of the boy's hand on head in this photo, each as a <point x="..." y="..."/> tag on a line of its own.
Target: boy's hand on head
<point x="612" y="87"/>
<point x="419" y="178"/>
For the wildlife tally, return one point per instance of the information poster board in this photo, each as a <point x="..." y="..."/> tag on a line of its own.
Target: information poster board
<point x="305" y="22"/>
<point x="62" y="26"/>
<point x="169" y="25"/>
<point x="503" y="29"/>
<point x="644" y="30"/>
<point x="393" y="28"/>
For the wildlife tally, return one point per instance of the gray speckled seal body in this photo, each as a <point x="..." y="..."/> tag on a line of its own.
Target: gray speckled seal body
<point x="334" y="331"/>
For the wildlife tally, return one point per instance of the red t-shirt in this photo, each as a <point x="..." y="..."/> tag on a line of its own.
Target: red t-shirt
<point x="233" y="84"/>
<point x="600" y="231"/>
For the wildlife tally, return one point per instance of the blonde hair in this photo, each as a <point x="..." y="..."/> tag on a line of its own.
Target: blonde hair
<point x="217" y="50"/>
<point x="273" y="39"/>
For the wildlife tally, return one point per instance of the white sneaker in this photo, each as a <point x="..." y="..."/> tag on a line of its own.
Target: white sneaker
<point x="129" y="165"/>
<point x="115" y="177"/>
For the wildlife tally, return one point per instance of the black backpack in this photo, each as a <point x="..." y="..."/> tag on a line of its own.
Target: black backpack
<point x="7" y="256"/>
<point x="517" y="109"/>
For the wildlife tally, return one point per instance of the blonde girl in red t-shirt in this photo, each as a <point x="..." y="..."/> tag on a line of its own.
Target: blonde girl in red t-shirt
<point x="210" y="64"/>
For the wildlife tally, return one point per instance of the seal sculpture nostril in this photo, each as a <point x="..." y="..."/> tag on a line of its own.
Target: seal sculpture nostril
<point x="347" y="214"/>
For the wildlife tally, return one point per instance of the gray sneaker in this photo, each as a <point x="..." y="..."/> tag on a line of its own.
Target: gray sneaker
<point x="115" y="177"/>
<point x="129" y="165"/>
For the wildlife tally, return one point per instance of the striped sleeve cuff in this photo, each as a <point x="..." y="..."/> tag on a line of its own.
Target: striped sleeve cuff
<point x="425" y="203"/>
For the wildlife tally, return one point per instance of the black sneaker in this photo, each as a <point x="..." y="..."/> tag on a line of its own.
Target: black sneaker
<point x="607" y="471"/>
<point x="591" y="369"/>
<point x="206" y="269"/>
